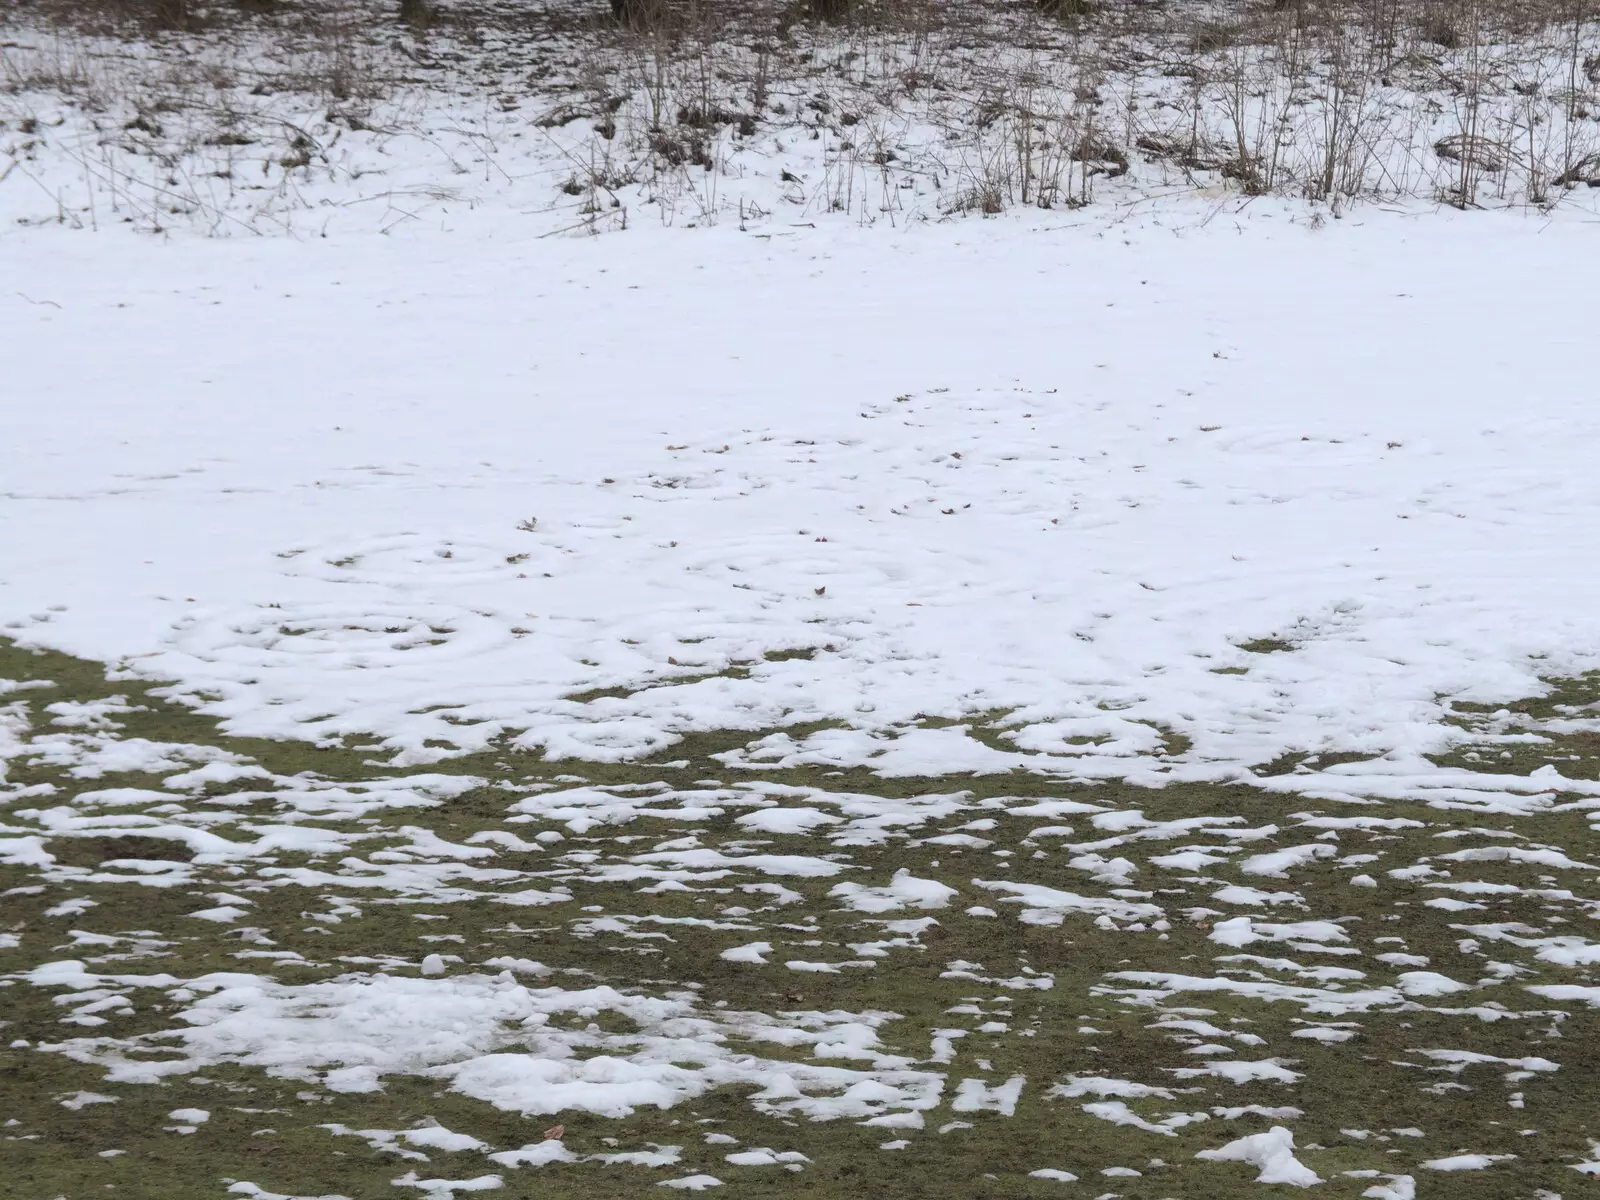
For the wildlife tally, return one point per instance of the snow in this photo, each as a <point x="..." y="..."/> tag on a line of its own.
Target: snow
<point x="1465" y="1162"/>
<point x="1144" y="496"/>
<point x="1428" y="983"/>
<point x="1118" y="1113"/>
<point x="904" y="890"/>
<point x="761" y="1156"/>
<point x="1268" y="1070"/>
<point x="246" y="1188"/>
<point x="1081" y="1085"/>
<point x="347" y="581"/>
<point x="1242" y="931"/>
<point x="536" y="1155"/>
<point x="973" y="1095"/>
<point x="1272" y="1152"/>
<point x="449" y="1187"/>
<point x="80" y="1099"/>
<point x="1399" y="1187"/>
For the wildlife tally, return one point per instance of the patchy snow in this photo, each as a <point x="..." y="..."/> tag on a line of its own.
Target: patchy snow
<point x="751" y="953"/>
<point x="1465" y="1162"/>
<point x="1397" y="1187"/>
<point x="246" y="1188"/>
<point x="1272" y="1152"/>
<point x="78" y="1100"/>
<point x="449" y="1187"/>
<point x="761" y="1156"/>
<point x="903" y="891"/>
<point x="1185" y="491"/>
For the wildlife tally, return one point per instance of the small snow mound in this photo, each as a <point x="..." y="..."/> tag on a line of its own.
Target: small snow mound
<point x="449" y="1187"/>
<point x="1273" y="1152"/>
<point x="78" y="1100"/>
<point x="246" y="1188"/>
<point x="1399" y="1187"/>
<point x="902" y="890"/>
<point x="763" y="1157"/>
<point x="1466" y="1162"/>
<point x="1428" y="983"/>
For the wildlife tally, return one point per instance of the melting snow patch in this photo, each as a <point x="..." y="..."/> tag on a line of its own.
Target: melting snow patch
<point x="1324" y="1034"/>
<point x="1278" y="863"/>
<point x="1239" y="894"/>
<point x="1242" y="931"/>
<point x="1118" y="1113"/>
<point x="1428" y="983"/>
<point x="1466" y="1162"/>
<point x="1398" y="1187"/>
<point x="1269" y="1070"/>
<point x="973" y="1095"/>
<point x="900" y="892"/>
<point x="432" y="1137"/>
<point x="1273" y="1152"/>
<point x="1097" y="1085"/>
<point x="1568" y="991"/>
<point x="538" y="1154"/>
<point x="79" y="1100"/>
<point x="763" y="1157"/>
<point x="222" y="914"/>
<point x="449" y="1187"/>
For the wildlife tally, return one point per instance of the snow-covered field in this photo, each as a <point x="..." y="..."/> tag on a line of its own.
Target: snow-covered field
<point x="1077" y="478"/>
<point x="1084" y="702"/>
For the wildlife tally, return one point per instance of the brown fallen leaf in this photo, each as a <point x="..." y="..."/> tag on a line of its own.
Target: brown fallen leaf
<point x="554" y="1133"/>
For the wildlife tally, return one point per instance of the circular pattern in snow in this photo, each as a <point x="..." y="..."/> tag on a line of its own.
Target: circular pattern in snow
<point x="411" y="559"/>
<point x="334" y="636"/>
